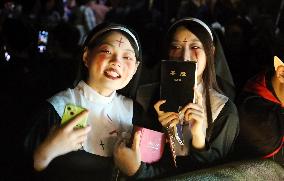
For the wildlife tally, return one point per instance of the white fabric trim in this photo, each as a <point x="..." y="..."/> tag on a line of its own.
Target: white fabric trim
<point x="189" y="19"/>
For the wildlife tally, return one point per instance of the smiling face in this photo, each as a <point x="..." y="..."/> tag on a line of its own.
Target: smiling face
<point x="185" y="46"/>
<point x="111" y="64"/>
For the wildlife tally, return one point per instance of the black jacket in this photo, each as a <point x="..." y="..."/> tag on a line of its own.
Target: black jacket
<point x="261" y="120"/>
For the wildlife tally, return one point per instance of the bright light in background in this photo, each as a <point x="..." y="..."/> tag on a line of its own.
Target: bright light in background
<point x="7" y="56"/>
<point x="41" y="48"/>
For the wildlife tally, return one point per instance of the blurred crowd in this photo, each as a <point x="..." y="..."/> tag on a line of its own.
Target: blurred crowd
<point x="40" y="43"/>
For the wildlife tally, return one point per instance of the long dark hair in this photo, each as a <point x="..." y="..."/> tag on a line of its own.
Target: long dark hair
<point x="203" y="33"/>
<point x="96" y="36"/>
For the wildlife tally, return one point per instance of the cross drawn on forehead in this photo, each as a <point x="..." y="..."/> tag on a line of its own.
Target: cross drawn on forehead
<point x="184" y="40"/>
<point x="120" y="41"/>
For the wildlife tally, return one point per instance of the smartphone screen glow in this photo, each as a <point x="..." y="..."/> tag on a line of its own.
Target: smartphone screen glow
<point x="42" y="41"/>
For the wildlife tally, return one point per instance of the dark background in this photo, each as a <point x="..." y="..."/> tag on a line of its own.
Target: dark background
<point x="250" y="32"/>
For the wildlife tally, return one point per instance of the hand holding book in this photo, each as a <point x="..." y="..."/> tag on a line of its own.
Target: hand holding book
<point x="178" y="79"/>
<point x="167" y="119"/>
<point x="195" y="116"/>
<point x="151" y="144"/>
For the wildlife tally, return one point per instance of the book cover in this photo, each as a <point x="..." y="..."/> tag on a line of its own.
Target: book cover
<point x="177" y="83"/>
<point x="151" y="144"/>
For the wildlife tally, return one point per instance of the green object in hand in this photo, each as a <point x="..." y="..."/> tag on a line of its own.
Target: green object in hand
<point x="72" y="111"/>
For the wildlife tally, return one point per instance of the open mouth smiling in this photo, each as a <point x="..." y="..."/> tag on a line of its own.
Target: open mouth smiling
<point x="112" y="73"/>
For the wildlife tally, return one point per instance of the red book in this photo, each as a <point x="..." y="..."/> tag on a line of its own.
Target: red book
<point x="151" y="144"/>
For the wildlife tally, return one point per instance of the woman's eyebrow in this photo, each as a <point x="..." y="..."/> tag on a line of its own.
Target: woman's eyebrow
<point x="175" y="40"/>
<point x="129" y="50"/>
<point x="106" y="43"/>
<point x="195" y="40"/>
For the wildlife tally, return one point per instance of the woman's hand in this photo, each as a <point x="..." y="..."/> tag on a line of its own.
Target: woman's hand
<point x="167" y="119"/>
<point x="128" y="160"/>
<point x="194" y="114"/>
<point x="60" y="141"/>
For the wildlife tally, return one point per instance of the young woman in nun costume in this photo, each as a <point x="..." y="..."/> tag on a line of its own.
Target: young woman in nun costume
<point x="111" y="57"/>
